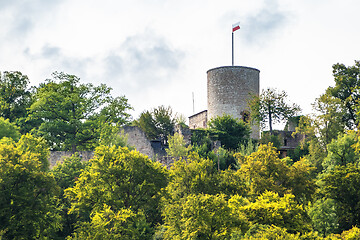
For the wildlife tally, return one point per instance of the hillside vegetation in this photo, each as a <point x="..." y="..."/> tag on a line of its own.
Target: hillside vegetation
<point x="241" y="190"/>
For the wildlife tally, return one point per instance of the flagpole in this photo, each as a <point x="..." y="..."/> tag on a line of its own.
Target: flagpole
<point x="232" y="47"/>
<point x="234" y="28"/>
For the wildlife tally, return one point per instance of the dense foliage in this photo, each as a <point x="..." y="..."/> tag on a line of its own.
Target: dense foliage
<point x="15" y="97"/>
<point x="72" y="114"/>
<point x="28" y="203"/>
<point x="272" y="107"/>
<point x="158" y="123"/>
<point x="229" y="131"/>
<point x="240" y="190"/>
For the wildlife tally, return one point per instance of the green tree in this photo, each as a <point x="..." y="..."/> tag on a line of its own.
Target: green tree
<point x="73" y="114"/>
<point x="248" y="148"/>
<point x="196" y="175"/>
<point x="222" y="158"/>
<point x="328" y="121"/>
<point x="201" y="142"/>
<point x="351" y="234"/>
<point x="324" y="216"/>
<point x="271" y="137"/>
<point x="313" y="142"/>
<point x="66" y="174"/>
<point x="321" y="128"/>
<point x="347" y="84"/>
<point x="262" y="232"/>
<point x="158" y="123"/>
<point x="272" y="107"/>
<point x="181" y="121"/>
<point x="201" y="216"/>
<point x="147" y="123"/>
<point x="15" y="96"/>
<point x="28" y="207"/>
<point x="177" y="146"/>
<point x="8" y="129"/>
<point x="108" y="224"/>
<point x="265" y="171"/>
<point x="38" y="146"/>
<point x="195" y="206"/>
<point x="341" y="151"/>
<point x="271" y="209"/>
<point x="232" y="183"/>
<point x="121" y="179"/>
<point x="342" y="185"/>
<point x="230" y="131"/>
<point x="111" y="135"/>
<point x="301" y="181"/>
<point x="299" y="152"/>
<point x="192" y="176"/>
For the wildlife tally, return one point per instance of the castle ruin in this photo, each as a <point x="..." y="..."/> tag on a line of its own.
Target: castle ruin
<point x="229" y="90"/>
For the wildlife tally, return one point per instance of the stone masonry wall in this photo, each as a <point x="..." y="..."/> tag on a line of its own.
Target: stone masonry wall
<point x="198" y="120"/>
<point x="185" y="132"/>
<point x="59" y="156"/>
<point x="229" y="90"/>
<point x="137" y="138"/>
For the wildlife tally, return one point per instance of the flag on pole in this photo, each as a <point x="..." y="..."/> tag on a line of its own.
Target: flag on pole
<point x="236" y="26"/>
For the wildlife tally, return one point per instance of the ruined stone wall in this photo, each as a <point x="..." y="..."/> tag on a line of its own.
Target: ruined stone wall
<point x="185" y="132"/>
<point x="137" y="138"/>
<point x="289" y="141"/>
<point x="59" y="156"/>
<point x="229" y="90"/>
<point x="198" y="120"/>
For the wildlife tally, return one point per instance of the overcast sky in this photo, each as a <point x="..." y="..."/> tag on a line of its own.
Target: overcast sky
<point x="157" y="52"/>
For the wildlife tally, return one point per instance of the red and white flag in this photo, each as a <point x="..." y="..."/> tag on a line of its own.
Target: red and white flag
<point x="236" y="26"/>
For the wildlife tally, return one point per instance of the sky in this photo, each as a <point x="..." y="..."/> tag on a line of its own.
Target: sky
<point x="157" y="52"/>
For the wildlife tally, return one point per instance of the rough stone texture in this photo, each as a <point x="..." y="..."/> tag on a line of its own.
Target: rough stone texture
<point x="198" y="120"/>
<point x="185" y="132"/>
<point x="229" y="90"/>
<point x="288" y="140"/>
<point x="137" y="138"/>
<point x="59" y="156"/>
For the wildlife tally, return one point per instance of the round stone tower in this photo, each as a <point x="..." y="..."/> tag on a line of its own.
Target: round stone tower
<point x="229" y="90"/>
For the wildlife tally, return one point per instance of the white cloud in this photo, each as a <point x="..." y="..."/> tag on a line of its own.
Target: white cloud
<point x="158" y="52"/>
<point x="261" y="27"/>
